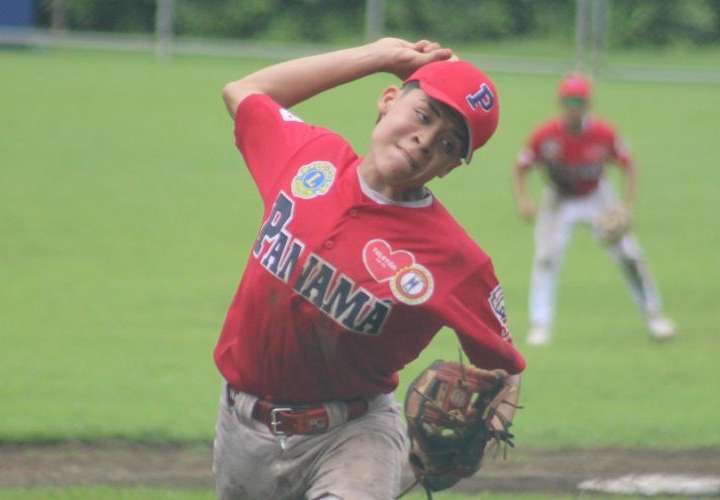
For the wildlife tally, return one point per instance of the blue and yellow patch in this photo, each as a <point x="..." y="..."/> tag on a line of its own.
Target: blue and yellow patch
<point x="313" y="179"/>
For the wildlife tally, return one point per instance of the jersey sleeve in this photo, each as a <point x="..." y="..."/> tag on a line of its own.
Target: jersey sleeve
<point x="531" y="153"/>
<point x="617" y="150"/>
<point x="268" y="135"/>
<point x="620" y="152"/>
<point x="526" y="158"/>
<point x="476" y="311"/>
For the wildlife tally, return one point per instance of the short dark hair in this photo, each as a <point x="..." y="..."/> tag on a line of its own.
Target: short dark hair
<point x="455" y="118"/>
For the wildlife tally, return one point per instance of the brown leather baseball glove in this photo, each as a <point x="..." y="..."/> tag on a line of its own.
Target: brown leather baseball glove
<point x="451" y="411"/>
<point x="613" y="224"/>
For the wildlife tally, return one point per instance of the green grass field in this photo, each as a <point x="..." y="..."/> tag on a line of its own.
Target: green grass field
<point x="127" y="216"/>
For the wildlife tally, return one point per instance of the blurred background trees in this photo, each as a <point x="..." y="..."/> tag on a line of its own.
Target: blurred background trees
<point x="634" y="23"/>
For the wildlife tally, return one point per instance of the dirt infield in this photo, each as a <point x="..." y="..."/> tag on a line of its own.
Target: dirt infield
<point x="181" y="466"/>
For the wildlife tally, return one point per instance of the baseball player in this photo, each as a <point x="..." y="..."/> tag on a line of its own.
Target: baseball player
<point x="355" y="267"/>
<point x="572" y="151"/>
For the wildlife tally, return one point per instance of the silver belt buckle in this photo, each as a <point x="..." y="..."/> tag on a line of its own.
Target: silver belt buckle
<point x="275" y="426"/>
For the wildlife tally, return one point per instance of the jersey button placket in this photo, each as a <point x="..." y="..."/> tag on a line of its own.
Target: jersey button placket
<point x="329" y="244"/>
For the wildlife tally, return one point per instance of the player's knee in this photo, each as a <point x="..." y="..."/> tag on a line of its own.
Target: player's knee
<point x="627" y="248"/>
<point x="547" y="262"/>
<point x="628" y="254"/>
<point x="633" y="253"/>
<point x="629" y="259"/>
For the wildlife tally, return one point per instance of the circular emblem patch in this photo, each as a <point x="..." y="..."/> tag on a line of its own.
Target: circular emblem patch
<point x="412" y="285"/>
<point x="497" y="304"/>
<point x="550" y="149"/>
<point x="313" y="179"/>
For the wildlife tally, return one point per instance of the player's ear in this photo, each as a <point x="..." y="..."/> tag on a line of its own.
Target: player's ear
<point x="387" y="98"/>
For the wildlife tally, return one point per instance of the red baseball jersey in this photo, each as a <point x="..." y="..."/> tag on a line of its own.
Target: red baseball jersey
<point x="574" y="161"/>
<point x="343" y="288"/>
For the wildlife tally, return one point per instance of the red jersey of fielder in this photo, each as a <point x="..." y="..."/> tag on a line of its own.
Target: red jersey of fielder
<point x="343" y="288"/>
<point x="574" y="161"/>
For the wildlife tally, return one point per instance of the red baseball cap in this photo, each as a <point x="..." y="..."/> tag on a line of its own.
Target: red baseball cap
<point x="468" y="91"/>
<point x="574" y="85"/>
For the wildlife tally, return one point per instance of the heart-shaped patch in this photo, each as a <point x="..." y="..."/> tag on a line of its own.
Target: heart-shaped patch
<point x="382" y="262"/>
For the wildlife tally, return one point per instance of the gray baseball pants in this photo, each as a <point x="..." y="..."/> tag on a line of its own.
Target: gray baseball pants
<point x="357" y="460"/>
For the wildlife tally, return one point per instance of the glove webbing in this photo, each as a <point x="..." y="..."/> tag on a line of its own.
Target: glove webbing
<point x="500" y="436"/>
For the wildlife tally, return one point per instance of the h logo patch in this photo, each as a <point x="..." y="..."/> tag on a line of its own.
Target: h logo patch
<point x="483" y="98"/>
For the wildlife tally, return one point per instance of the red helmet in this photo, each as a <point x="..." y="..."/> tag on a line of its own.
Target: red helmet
<point x="574" y="85"/>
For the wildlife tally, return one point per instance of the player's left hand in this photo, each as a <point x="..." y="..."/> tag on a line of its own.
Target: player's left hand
<point x="401" y="57"/>
<point x="453" y="413"/>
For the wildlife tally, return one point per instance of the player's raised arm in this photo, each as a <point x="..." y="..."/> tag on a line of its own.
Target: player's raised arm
<point x="294" y="81"/>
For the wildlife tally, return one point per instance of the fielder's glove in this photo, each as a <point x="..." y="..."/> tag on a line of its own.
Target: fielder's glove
<point x="451" y="411"/>
<point x="613" y="224"/>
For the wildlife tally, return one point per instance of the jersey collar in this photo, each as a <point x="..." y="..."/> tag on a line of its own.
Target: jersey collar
<point x="378" y="198"/>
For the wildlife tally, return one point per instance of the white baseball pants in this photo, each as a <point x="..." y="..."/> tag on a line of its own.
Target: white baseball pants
<point x="557" y="217"/>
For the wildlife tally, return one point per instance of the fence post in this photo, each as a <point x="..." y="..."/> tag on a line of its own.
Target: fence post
<point x="374" y="19"/>
<point x="163" y="28"/>
<point x="600" y="27"/>
<point x="57" y="16"/>
<point x="581" y="33"/>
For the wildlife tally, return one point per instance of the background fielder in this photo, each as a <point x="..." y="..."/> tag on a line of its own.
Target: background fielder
<point x="573" y="151"/>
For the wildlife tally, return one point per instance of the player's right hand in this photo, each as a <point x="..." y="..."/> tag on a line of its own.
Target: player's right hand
<point x="402" y="58"/>
<point x="526" y="209"/>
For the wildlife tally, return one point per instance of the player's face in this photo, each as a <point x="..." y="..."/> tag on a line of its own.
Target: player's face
<point x="574" y="109"/>
<point x="415" y="139"/>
